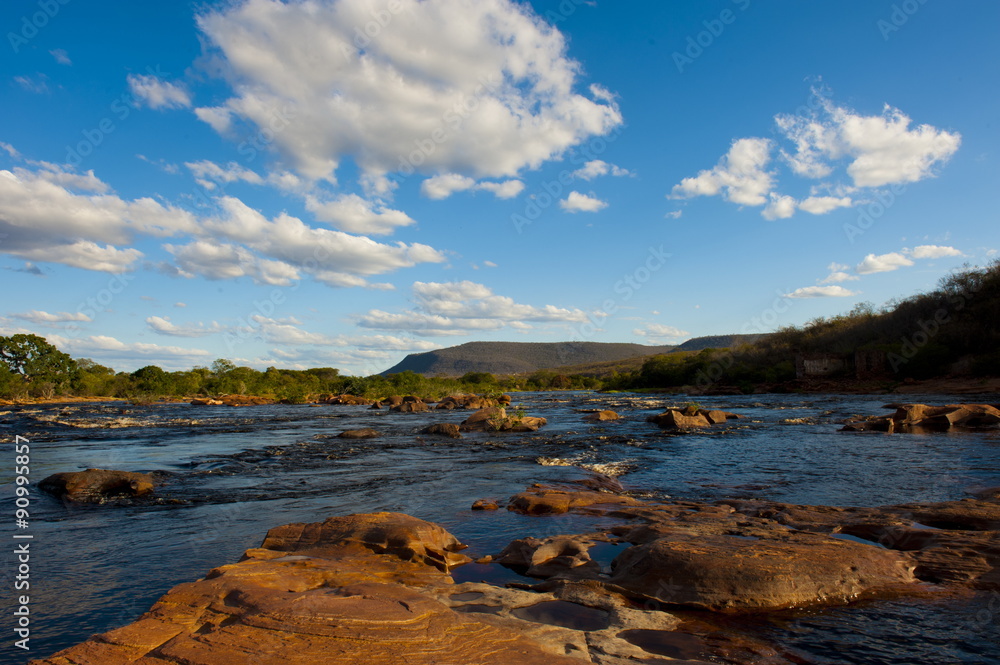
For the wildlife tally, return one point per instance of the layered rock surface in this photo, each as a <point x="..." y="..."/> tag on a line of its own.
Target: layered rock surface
<point x="920" y="418"/>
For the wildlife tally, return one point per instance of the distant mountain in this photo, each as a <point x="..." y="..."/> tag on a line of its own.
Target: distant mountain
<point x="718" y="342"/>
<point x="518" y="357"/>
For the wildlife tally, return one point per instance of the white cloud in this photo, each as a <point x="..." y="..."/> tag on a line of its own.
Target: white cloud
<point x="331" y="257"/>
<point x="456" y="308"/>
<point x="53" y="215"/>
<point x="932" y="252"/>
<point x="882" y="263"/>
<point x="482" y="89"/>
<point x="780" y="207"/>
<point x="43" y="318"/>
<point x="164" y="326"/>
<point x="110" y="349"/>
<point x="61" y="56"/>
<point x="675" y="214"/>
<point x="215" y="260"/>
<point x="882" y="149"/>
<point x="158" y="94"/>
<point x="180" y="304"/>
<point x="598" y="167"/>
<point x="489" y="264"/>
<point x="289" y="332"/>
<point x="659" y="332"/>
<point x="38" y="84"/>
<point x="577" y="202"/>
<point x="507" y="189"/>
<point x="444" y="185"/>
<point x="353" y="214"/>
<point x="839" y="276"/>
<point x="821" y="292"/>
<point x="208" y="174"/>
<point x="820" y="205"/>
<point x="9" y="149"/>
<point x="218" y="118"/>
<point x="739" y="176"/>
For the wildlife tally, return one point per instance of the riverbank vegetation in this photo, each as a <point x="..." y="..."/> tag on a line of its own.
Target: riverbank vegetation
<point x="953" y="330"/>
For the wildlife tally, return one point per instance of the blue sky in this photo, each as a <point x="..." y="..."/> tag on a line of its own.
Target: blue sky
<point x="340" y="183"/>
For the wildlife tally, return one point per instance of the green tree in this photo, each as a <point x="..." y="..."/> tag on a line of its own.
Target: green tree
<point x="39" y="363"/>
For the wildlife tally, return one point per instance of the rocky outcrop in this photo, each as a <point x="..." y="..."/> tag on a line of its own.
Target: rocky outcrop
<point x="366" y="433"/>
<point x="98" y="485"/>
<point x="601" y="416"/>
<point x="496" y="419"/>
<point x="449" y="430"/>
<point x="206" y="401"/>
<point x="920" y="418"/>
<point x="358" y="589"/>
<point x="691" y="418"/>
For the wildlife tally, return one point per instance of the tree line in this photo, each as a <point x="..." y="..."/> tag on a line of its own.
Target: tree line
<point x="31" y="367"/>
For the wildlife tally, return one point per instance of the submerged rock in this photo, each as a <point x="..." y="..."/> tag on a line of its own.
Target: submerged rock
<point x="691" y="418"/>
<point x="920" y="418"/>
<point x="496" y="419"/>
<point x="366" y="433"/>
<point x="443" y="429"/>
<point x="97" y="485"/>
<point x="601" y="416"/>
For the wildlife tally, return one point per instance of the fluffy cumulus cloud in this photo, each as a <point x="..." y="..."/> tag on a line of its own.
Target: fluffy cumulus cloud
<point x="354" y="214"/>
<point x="839" y="274"/>
<point x="872" y="151"/>
<point x="481" y="89"/>
<point x="51" y="214"/>
<point x="657" y="332"/>
<point x="289" y="332"/>
<point x="242" y="242"/>
<point x="444" y="185"/>
<point x="577" y="202"/>
<point x="932" y="252"/>
<point x="460" y="308"/>
<point x="882" y="263"/>
<point x="598" y="167"/>
<point x="821" y="292"/>
<point x="158" y="94"/>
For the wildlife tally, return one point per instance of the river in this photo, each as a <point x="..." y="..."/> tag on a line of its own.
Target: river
<point x="231" y="473"/>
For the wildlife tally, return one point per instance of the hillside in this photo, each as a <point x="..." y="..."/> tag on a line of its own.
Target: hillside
<point x="718" y="342"/>
<point x="518" y="357"/>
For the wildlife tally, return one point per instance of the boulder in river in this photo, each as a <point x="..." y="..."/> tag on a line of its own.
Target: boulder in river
<point x="449" y="430"/>
<point x="920" y="418"/>
<point x="97" y="485"/>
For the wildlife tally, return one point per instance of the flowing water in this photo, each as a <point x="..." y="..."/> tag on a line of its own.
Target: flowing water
<point x="229" y="474"/>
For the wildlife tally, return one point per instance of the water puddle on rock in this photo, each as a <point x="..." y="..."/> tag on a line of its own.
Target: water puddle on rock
<point x="564" y="614"/>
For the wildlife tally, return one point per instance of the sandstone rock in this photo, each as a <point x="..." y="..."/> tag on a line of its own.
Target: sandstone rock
<point x="207" y="401"/>
<point x="496" y="419"/>
<point x="274" y="608"/>
<point x="558" y="555"/>
<point x="409" y="538"/>
<point x="916" y="418"/>
<point x="97" y="485"/>
<point x="410" y="407"/>
<point x="551" y="501"/>
<point x="675" y="419"/>
<point x="733" y="573"/>
<point x="366" y="433"/>
<point x="601" y="416"/>
<point x="443" y="429"/>
<point x="485" y="504"/>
